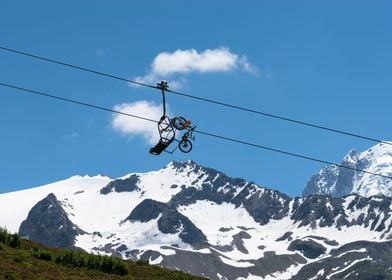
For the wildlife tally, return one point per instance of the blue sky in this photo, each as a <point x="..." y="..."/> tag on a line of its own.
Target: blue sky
<point x="327" y="62"/>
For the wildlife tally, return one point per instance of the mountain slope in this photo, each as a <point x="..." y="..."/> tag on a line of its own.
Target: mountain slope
<point x="30" y="260"/>
<point x="201" y="221"/>
<point x="338" y="182"/>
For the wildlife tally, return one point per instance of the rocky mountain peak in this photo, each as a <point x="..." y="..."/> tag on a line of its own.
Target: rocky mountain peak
<point x="184" y="166"/>
<point x="338" y="182"/>
<point x="204" y="176"/>
<point x="48" y="223"/>
<point x="351" y="157"/>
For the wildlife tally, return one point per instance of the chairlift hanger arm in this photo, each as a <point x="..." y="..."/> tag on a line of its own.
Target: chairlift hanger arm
<point x="163" y="86"/>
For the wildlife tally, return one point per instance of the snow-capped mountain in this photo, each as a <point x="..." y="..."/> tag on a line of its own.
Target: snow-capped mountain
<point x="201" y="221"/>
<point x="338" y="182"/>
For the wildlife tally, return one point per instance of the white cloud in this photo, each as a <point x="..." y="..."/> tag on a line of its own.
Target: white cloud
<point x="166" y="65"/>
<point x="136" y="127"/>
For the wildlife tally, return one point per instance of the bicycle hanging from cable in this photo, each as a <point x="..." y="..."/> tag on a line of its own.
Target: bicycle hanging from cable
<point x="168" y="127"/>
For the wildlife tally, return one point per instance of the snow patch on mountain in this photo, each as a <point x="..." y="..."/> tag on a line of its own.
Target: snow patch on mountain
<point x="204" y="215"/>
<point x="135" y="235"/>
<point x="15" y="206"/>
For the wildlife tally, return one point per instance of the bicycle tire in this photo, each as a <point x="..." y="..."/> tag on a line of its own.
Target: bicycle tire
<point x="185" y="146"/>
<point x="178" y="122"/>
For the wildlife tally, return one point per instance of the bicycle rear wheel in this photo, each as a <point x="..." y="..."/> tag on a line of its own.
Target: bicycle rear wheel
<point x="185" y="146"/>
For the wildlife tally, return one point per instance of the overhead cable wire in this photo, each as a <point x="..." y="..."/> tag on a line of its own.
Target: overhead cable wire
<point x="282" y="118"/>
<point x="236" y="107"/>
<point x="225" y="138"/>
<point x="199" y="98"/>
<point x="291" y="154"/>
<point x="74" y="101"/>
<point x="76" y="67"/>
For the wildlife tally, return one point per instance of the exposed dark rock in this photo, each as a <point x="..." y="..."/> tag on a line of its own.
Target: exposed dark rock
<point x="111" y="249"/>
<point x="319" y="207"/>
<point x="244" y="228"/>
<point x="174" y="222"/>
<point x="122" y="185"/>
<point x="238" y="241"/>
<point x="122" y="248"/>
<point x="132" y="255"/>
<point x="48" y="223"/>
<point x="79" y="192"/>
<point x="331" y="242"/>
<point x="325" y="240"/>
<point x="209" y="265"/>
<point x="146" y="211"/>
<point x="266" y="204"/>
<point x="224" y="229"/>
<point x="329" y="212"/>
<point x="308" y="248"/>
<point x="372" y="263"/>
<point x="150" y="255"/>
<point x="286" y="236"/>
<point x="96" y="233"/>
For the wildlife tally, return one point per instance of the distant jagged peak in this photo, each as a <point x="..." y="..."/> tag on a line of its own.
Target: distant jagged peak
<point x="338" y="181"/>
<point x="219" y="181"/>
<point x="185" y="165"/>
<point x="189" y="166"/>
<point x="351" y="156"/>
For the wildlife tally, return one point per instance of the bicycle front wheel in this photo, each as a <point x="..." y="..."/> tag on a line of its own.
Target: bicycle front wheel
<point x="178" y="122"/>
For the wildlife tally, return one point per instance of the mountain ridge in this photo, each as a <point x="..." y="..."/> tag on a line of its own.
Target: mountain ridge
<point x="235" y="229"/>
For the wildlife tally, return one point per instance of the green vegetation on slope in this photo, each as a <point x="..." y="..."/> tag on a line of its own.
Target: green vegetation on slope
<point x="23" y="259"/>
